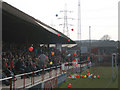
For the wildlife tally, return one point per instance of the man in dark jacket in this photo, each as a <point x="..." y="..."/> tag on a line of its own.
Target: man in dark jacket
<point x="19" y="66"/>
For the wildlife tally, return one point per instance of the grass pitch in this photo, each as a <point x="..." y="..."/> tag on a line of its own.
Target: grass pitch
<point x="105" y="80"/>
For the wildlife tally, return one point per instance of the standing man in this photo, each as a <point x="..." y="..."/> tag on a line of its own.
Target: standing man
<point x="44" y="59"/>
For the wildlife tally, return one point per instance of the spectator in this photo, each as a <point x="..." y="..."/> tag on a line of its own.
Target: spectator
<point x="17" y="59"/>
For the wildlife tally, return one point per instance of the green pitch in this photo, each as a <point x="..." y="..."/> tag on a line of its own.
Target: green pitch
<point x="105" y="80"/>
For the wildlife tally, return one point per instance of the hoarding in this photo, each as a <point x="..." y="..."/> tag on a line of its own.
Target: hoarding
<point x="61" y="79"/>
<point x="52" y="83"/>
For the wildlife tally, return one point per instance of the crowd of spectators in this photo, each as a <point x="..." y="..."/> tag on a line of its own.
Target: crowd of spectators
<point x="17" y="59"/>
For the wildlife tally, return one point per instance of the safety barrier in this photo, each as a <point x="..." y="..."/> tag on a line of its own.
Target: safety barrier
<point x="83" y="65"/>
<point x="47" y="75"/>
<point x="25" y="82"/>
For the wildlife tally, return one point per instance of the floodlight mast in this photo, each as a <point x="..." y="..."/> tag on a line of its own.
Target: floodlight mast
<point x="79" y="26"/>
<point x="79" y="31"/>
<point x="89" y="39"/>
<point x="79" y="21"/>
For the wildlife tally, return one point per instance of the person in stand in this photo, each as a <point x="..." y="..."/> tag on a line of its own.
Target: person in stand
<point x="6" y="69"/>
<point x="12" y="67"/>
<point x="19" y="66"/>
<point x="43" y="59"/>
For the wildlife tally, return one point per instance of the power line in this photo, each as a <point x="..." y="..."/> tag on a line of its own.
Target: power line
<point x="65" y="24"/>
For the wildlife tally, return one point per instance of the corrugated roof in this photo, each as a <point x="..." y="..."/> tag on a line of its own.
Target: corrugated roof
<point x="15" y="19"/>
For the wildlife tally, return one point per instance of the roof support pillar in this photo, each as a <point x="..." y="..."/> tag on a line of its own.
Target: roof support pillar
<point x="48" y="45"/>
<point x="58" y="46"/>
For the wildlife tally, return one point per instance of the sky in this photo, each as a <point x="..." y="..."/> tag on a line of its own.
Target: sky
<point x="101" y="15"/>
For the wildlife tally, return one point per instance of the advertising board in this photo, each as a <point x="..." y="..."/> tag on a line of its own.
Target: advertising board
<point x="52" y="83"/>
<point x="61" y="79"/>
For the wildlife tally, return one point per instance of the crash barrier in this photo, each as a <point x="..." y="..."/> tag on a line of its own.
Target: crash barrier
<point x="50" y="78"/>
<point x="58" y="80"/>
<point x="29" y="79"/>
<point x="61" y="79"/>
<point x="82" y="66"/>
<point x="50" y="83"/>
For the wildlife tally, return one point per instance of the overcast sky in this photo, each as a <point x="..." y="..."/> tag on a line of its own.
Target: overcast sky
<point x="101" y="15"/>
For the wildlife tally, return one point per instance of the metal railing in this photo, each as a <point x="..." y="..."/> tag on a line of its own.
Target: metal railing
<point x="26" y="82"/>
<point x="32" y="80"/>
